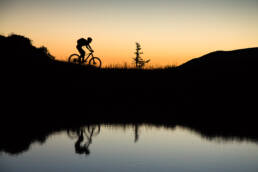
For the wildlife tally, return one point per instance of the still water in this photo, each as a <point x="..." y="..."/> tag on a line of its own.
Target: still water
<point x="133" y="148"/>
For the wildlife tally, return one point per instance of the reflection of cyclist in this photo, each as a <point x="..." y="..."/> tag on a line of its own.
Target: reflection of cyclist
<point x="79" y="148"/>
<point x="81" y="145"/>
<point x="83" y="42"/>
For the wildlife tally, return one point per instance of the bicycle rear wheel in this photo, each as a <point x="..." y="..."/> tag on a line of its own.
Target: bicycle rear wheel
<point x="96" y="62"/>
<point x="72" y="134"/>
<point x="74" y="58"/>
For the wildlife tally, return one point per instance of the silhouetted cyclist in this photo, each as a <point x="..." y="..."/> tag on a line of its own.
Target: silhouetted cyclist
<point x="83" y="42"/>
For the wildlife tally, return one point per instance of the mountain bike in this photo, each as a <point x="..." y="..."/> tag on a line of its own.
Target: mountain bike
<point x="89" y="60"/>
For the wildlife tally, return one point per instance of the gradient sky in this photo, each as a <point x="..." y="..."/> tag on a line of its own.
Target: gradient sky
<point x="170" y="31"/>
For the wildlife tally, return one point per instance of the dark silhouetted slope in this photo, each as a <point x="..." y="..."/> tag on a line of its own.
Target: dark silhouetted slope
<point x="17" y="49"/>
<point x="242" y="60"/>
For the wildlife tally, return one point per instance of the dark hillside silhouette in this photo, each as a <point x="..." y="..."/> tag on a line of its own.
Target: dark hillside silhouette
<point x="18" y="49"/>
<point x="242" y="60"/>
<point x="222" y="81"/>
<point x="27" y="70"/>
<point x="218" y="74"/>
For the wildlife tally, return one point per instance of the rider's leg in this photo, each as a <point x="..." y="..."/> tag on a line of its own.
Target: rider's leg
<point x="82" y="53"/>
<point x="82" y="56"/>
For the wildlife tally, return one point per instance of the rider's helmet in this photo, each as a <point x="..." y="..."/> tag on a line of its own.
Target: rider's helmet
<point x="89" y="39"/>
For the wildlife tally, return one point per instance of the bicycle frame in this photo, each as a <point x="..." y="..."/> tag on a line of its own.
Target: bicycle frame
<point x="86" y="59"/>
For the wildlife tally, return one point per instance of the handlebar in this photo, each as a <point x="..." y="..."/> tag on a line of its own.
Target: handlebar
<point x="91" y="52"/>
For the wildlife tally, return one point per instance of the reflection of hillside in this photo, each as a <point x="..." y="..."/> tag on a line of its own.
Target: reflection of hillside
<point x="220" y="135"/>
<point x="16" y="143"/>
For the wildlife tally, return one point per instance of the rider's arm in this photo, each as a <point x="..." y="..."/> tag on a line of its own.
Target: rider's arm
<point x="89" y="47"/>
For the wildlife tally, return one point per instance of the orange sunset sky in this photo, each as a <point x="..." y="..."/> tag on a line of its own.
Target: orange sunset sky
<point x="171" y="32"/>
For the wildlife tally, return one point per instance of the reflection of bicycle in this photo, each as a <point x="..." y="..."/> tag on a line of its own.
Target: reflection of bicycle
<point x="92" y="130"/>
<point x="81" y="145"/>
<point x="93" y="61"/>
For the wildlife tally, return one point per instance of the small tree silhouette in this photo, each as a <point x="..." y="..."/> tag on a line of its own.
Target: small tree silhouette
<point x="139" y="62"/>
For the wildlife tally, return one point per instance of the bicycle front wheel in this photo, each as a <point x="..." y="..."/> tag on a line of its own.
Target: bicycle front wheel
<point x="74" y="58"/>
<point x="94" y="129"/>
<point x="96" y="62"/>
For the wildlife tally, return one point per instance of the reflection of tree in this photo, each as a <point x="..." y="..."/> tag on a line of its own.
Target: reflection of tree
<point x="82" y="146"/>
<point x="136" y="132"/>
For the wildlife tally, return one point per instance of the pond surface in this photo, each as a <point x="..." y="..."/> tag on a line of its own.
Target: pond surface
<point x="133" y="148"/>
